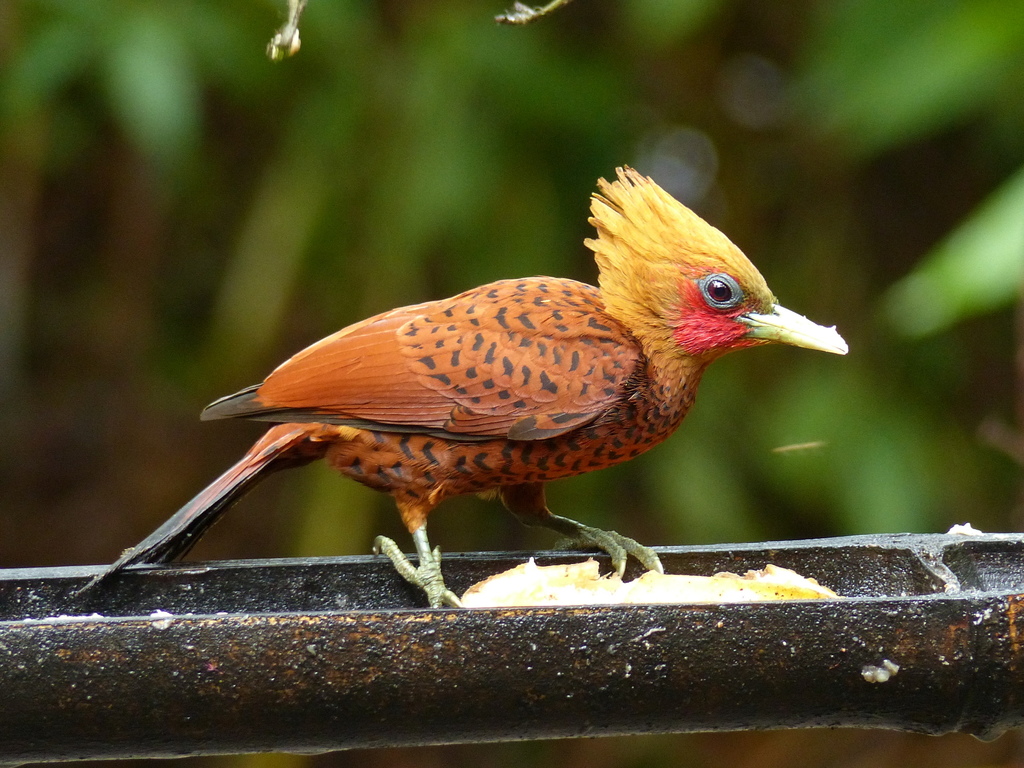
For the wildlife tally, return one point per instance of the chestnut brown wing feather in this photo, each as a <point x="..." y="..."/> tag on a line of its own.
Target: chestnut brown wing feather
<point x="524" y="359"/>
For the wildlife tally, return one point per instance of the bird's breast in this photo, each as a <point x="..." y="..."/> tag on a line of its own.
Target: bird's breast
<point x="423" y="466"/>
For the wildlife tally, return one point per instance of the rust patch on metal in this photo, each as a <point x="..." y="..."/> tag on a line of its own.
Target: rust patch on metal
<point x="1013" y="603"/>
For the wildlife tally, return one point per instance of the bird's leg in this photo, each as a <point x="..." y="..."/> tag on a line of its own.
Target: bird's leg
<point x="526" y="502"/>
<point x="428" y="575"/>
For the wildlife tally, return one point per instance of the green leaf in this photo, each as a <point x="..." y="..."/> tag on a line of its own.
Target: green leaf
<point x="883" y="73"/>
<point x="49" y="61"/>
<point x="978" y="268"/>
<point x="152" y="84"/>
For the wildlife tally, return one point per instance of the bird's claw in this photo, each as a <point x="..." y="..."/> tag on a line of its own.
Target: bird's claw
<point x="426" y="577"/>
<point x="618" y="547"/>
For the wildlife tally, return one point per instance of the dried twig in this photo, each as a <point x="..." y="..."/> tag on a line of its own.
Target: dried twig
<point x="285" y="41"/>
<point x="521" y="14"/>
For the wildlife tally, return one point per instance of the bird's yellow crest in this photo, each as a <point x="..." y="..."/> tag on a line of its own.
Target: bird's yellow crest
<point x="647" y="243"/>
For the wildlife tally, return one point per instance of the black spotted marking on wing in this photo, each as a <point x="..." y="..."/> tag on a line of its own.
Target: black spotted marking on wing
<point x="545" y="426"/>
<point x="535" y="348"/>
<point x="547" y="384"/>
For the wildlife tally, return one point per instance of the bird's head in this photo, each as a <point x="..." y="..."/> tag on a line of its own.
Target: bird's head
<point x="679" y="284"/>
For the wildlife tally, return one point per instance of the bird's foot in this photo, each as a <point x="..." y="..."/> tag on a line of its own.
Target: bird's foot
<point x="618" y="547"/>
<point x="426" y="577"/>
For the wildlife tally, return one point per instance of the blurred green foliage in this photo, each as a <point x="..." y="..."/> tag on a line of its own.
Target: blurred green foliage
<point x="978" y="268"/>
<point x="244" y="209"/>
<point x="177" y="215"/>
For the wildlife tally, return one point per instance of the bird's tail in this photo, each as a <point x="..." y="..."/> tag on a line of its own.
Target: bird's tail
<point x="285" y="445"/>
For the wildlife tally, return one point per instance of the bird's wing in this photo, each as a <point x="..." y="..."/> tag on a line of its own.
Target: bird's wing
<point x="523" y="359"/>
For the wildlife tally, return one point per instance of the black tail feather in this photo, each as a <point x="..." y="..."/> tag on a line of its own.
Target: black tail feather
<point x="243" y="403"/>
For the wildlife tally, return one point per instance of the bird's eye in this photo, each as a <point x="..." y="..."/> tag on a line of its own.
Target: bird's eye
<point x="721" y="291"/>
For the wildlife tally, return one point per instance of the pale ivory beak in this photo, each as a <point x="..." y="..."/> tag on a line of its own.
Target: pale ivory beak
<point x="786" y="327"/>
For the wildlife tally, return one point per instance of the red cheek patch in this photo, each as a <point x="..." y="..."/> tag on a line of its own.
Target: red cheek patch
<point x="701" y="329"/>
